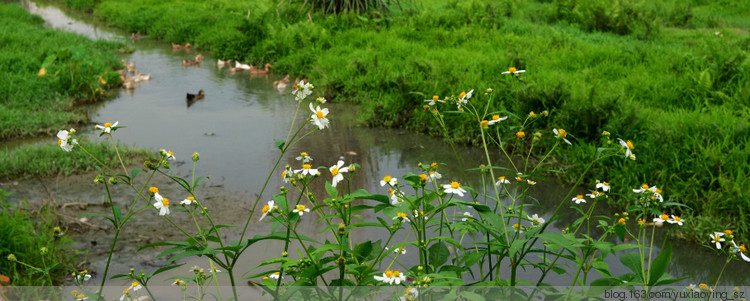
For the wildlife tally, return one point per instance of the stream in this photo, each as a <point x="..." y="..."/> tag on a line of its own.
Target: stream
<point x="234" y="129"/>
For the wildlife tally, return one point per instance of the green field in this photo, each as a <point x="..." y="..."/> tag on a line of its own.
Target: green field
<point x="672" y="76"/>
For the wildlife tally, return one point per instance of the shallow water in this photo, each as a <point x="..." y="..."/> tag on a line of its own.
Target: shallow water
<point x="233" y="129"/>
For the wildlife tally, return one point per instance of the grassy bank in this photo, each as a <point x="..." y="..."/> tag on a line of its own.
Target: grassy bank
<point x="671" y="76"/>
<point x="40" y="251"/>
<point x="47" y="74"/>
<point x="49" y="160"/>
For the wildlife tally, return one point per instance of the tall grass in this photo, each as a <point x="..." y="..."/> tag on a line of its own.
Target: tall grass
<point x="672" y="76"/>
<point x="36" y="103"/>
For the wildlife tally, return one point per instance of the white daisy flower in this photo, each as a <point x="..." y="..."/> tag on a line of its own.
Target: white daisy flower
<point x="496" y="119"/>
<point x="399" y="250"/>
<point x="536" y="220"/>
<point x="661" y="219"/>
<point x="336" y="171"/>
<point x="454" y="187"/>
<point x="65" y="140"/>
<point x="693" y="287"/>
<point x="162" y="204"/>
<point x="628" y="148"/>
<point x="389" y="180"/>
<point x="717" y="238"/>
<point x="287" y="174"/>
<point x="135" y="286"/>
<point x="603" y="185"/>
<point x="267" y="209"/>
<point x="513" y="70"/>
<point x="656" y="192"/>
<point x="307" y="170"/>
<point x="676" y="220"/>
<point x="501" y="180"/>
<point x="468" y="217"/>
<point x="595" y="194"/>
<point x="410" y="294"/>
<point x="301" y="209"/>
<point x="578" y="199"/>
<point x="188" y="201"/>
<point x="167" y="153"/>
<point x="391" y="277"/>
<point x="275" y="276"/>
<point x="401" y="216"/>
<point x="434" y="99"/>
<point x="434" y="175"/>
<point x="304" y="157"/>
<point x="463" y="98"/>
<point x="319" y="116"/>
<point x="178" y="282"/>
<point x="302" y="90"/>
<point x="107" y="127"/>
<point x="395" y="198"/>
<point x="561" y="134"/>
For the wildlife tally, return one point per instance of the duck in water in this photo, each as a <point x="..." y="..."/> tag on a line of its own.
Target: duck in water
<point x="192" y="98"/>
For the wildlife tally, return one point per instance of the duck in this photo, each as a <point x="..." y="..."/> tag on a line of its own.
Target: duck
<point x="194" y="97"/>
<point x="178" y="46"/>
<point x="135" y="35"/>
<point x="242" y="66"/>
<point x="235" y="70"/>
<point x="282" y="84"/>
<point x="141" y="77"/>
<point x="199" y="58"/>
<point x="190" y="62"/>
<point x="129" y="83"/>
<point x="129" y="67"/>
<point x="221" y="63"/>
<point x="254" y="70"/>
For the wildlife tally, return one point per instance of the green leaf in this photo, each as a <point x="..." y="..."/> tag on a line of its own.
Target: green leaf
<point x="363" y="250"/>
<point x="515" y="246"/>
<point x="331" y="190"/>
<point x="660" y="264"/>
<point x="632" y="260"/>
<point x="117" y="212"/>
<point x="134" y="172"/>
<point x="167" y="268"/>
<point x="438" y="254"/>
<point x="602" y="267"/>
<point x="279" y="144"/>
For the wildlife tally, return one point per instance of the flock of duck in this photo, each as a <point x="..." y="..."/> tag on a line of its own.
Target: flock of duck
<point x="129" y="83"/>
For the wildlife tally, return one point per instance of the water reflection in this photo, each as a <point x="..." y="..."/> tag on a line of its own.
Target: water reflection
<point x="235" y="125"/>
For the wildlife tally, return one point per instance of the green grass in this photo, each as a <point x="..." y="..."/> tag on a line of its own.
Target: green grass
<point x="656" y="73"/>
<point x="50" y="160"/>
<point x="36" y="105"/>
<point x="25" y="232"/>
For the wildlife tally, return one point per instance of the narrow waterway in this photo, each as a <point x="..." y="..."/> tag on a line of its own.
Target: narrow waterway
<point x="233" y="128"/>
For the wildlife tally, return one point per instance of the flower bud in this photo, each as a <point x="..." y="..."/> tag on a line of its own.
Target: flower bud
<point x="284" y="254"/>
<point x="149" y="165"/>
<point x="99" y="179"/>
<point x="12" y="258"/>
<point x="43" y="251"/>
<point x="196" y="157"/>
<point x="113" y="181"/>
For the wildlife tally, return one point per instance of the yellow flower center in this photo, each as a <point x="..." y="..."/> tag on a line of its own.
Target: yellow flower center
<point x="134" y="284"/>
<point x="389" y="273"/>
<point x="334" y="171"/>
<point x="170" y="153"/>
<point x="396" y="273"/>
<point x="265" y="277"/>
<point x="455" y="185"/>
<point x="641" y="221"/>
<point x="729" y="233"/>
<point x="512" y="69"/>
<point x="462" y="94"/>
<point x="435" y="97"/>
<point x="276" y="273"/>
<point x="703" y="286"/>
<point x="677" y="218"/>
<point x="516" y="226"/>
<point x="401" y="214"/>
<point x="520" y="135"/>
<point x="743" y="249"/>
<point x="562" y="133"/>
<point x="81" y="296"/>
<point x="59" y="142"/>
<point x="519" y="179"/>
<point x="107" y="124"/>
<point x="300" y="207"/>
<point x="423" y="177"/>
<point x="644" y="186"/>
<point x="621" y="221"/>
<point x="501" y="178"/>
<point x="306" y="166"/>
<point x="434" y="165"/>
<point x="664" y="217"/>
<point x="630" y="144"/>
<point x="320" y="114"/>
<point x="495" y="117"/>
<point x="580" y="197"/>
<point x="532" y="114"/>
<point x="390" y="192"/>
<point x="177" y="281"/>
<point x="303" y="154"/>
<point x="215" y="268"/>
<point x="153" y="190"/>
<point x="165" y="202"/>
<point x="191" y="198"/>
<point x="484" y="122"/>
<point x="605" y="183"/>
<point x="387" y="179"/>
<point x="265" y="209"/>
<point x="74" y="293"/>
<point x="717" y="238"/>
